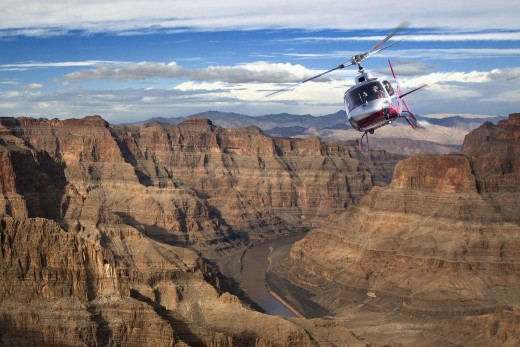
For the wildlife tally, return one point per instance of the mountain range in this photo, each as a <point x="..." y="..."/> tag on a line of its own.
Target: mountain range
<point x="440" y="134"/>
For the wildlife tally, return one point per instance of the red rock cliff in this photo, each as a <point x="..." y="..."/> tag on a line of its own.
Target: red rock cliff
<point x="495" y="153"/>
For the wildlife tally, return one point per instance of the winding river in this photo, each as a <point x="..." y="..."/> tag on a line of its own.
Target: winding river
<point x="255" y="264"/>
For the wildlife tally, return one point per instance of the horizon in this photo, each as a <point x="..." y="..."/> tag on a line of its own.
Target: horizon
<point x="202" y="115"/>
<point x="71" y="61"/>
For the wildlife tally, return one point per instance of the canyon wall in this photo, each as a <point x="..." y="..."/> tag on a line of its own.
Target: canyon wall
<point x="104" y="230"/>
<point x="61" y="288"/>
<point x="437" y="252"/>
<point x="192" y="183"/>
<point x="252" y="181"/>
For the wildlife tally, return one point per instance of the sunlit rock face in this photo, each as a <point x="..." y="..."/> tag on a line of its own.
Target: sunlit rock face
<point x="440" y="243"/>
<point x="495" y="154"/>
<point x="251" y="180"/>
<point x="83" y="179"/>
<point x="102" y="227"/>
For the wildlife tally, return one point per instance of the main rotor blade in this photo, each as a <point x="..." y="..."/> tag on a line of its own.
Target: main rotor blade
<point x="401" y="26"/>
<point x="385" y="47"/>
<point x="413" y="90"/>
<point x="357" y="59"/>
<point x="342" y="66"/>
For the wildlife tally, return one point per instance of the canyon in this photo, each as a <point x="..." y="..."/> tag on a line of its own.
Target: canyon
<point x="129" y="235"/>
<point x="110" y="234"/>
<point x="431" y="259"/>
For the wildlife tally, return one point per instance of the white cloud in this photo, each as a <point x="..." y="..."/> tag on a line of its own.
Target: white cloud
<point x="8" y="105"/>
<point x="252" y="72"/>
<point x="505" y="74"/>
<point x="259" y="72"/>
<point x="40" y="65"/>
<point x="32" y="86"/>
<point x="34" y="17"/>
<point x="434" y="37"/>
<point x="445" y="77"/>
<point x="127" y="71"/>
<point x="10" y="94"/>
<point x="9" y="82"/>
<point x="470" y="78"/>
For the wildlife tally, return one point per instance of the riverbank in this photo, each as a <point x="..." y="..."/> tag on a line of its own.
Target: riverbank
<point x="274" y="256"/>
<point x="252" y="269"/>
<point x="255" y="265"/>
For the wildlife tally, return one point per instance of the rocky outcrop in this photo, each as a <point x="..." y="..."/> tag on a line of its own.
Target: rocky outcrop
<point x="58" y="288"/>
<point x="82" y="179"/>
<point x="495" y="157"/>
<point x="40" y="260"/>
<point x="441" y="244"/>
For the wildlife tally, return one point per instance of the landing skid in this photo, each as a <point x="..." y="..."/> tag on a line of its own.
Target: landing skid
<point x="360" y="143"/>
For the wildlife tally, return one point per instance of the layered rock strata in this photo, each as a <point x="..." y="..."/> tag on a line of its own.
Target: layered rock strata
<point x="253" y="181"/>
<point x="102" y="227"/>
<point x="60" y="288"/>
<point x="440" y="244"/>
<point x="73" y="171"/>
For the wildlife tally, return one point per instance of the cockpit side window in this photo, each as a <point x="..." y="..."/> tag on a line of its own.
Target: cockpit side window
<point x="388" y="88"/>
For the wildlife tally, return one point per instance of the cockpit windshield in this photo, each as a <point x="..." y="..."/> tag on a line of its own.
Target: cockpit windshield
<point x="364" y="94"/>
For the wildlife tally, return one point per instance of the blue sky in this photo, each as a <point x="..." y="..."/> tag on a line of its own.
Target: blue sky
<point x="131" y="60"/>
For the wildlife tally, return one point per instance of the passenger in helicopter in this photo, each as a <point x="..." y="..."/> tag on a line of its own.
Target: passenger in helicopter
<point x="365" y="97"/>
<point x="376" y="93"/>
<point x="388" y="88"/>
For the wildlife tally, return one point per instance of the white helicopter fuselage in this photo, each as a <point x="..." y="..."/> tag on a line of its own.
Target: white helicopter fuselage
<point x="370" y="103"/>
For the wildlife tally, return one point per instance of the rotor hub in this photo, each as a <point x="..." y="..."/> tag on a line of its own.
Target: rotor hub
<point x="358" y="58"/>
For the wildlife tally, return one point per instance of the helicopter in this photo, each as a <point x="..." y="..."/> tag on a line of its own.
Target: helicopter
<point x="372" y="102"/>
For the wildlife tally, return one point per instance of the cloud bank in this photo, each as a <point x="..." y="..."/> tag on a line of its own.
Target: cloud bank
<point x="54" y="17"/>
<point x="465" y="51"/>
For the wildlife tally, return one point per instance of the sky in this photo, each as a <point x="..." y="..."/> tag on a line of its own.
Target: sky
<point x="132" y="60"/>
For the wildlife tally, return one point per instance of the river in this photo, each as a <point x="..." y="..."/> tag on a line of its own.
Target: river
<point x="255" y="265"/>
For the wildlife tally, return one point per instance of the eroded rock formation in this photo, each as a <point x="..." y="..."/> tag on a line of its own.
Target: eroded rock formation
<point x="433" y="258"/>
<point x="250" y="180"/>
<point x="103" y="229"/>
